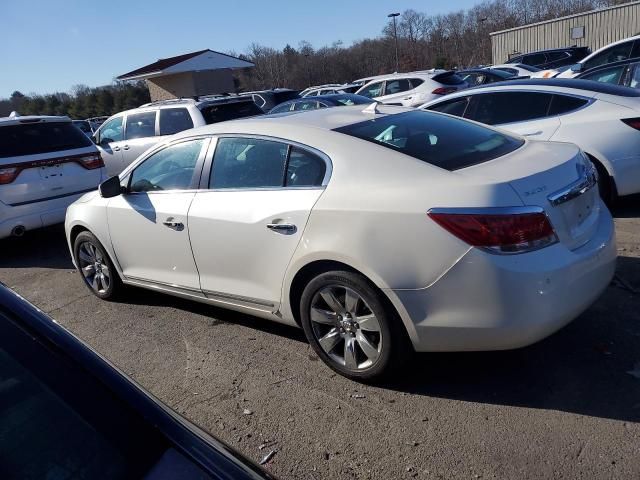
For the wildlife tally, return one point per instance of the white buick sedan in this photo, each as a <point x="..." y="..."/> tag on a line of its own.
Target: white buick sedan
<point x="377" y="231"/>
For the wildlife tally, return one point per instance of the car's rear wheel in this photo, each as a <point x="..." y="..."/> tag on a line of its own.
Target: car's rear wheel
<point x="351" y="327"/>
<point x="95" y="267"/>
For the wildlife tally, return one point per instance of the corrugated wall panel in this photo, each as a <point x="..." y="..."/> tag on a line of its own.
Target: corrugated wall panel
<point x="601" y="27"/>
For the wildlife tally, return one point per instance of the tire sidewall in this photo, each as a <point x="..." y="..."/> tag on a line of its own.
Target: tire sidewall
<point x="89" y="237"/>
<point x="360" y="285"/>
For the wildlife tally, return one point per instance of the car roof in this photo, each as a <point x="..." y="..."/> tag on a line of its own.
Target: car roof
<point x="561" y="49"/>
<point x="17" y="120"/>
<point x="572" y="83"/>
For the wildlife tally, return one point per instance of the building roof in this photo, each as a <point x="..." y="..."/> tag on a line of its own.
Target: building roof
<point x="200" y="60"/>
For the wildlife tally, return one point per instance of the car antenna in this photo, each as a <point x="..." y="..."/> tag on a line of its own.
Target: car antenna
<point x="373" y="108"/>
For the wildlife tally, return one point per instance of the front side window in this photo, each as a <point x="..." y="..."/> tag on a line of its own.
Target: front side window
<point x="111" y="131"/>
<point x="305" y="105"/>
<point x="508" y="107"/>
<point x="452" y="107"/>
<point x="248" y="163"/>
<point x="397" y="86"/>
<point x="173" y="168"/>
<point x="610" y="55"/>
<point x="608" y="75"/>
<point x="283" y="107"/>
<point x="446" y="142"/>
<point x="373" y="90"/>
<point x="174" y="120"/>
<point x="141" y="125"/>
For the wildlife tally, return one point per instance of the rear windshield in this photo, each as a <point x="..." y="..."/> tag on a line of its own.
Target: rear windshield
<point x="43" y="137"/>
<point x="446" y="142"/>
<point x="229" y="111"/>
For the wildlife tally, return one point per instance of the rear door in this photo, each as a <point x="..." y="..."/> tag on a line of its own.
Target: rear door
<point x="248" y="220"/>
<point x="110" y="139"/>
<point x="140" y="135"/>
<point x="525" y="113"/>
<point x="40" y="160"/>
<point x="395" y="91"/>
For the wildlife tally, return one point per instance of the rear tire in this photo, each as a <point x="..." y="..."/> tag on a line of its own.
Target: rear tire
<point x="96" y="268"/>
<point x="351" y="327"/>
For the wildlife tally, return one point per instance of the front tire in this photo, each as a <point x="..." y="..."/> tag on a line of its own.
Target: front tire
<point x="96" y="268"/>
<point x="350" y="326"/>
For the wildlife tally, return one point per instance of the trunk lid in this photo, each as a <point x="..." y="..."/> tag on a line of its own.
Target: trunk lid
<point x="556" y="177"/>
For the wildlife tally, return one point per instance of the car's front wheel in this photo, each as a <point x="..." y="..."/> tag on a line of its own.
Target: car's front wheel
<point x="350" y="326"/>
<point x="95" y="267"/>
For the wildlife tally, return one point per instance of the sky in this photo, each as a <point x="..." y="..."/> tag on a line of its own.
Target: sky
<point x="51" y="45"/>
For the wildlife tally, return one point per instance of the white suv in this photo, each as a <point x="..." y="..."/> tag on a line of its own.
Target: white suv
<point x="126" y="135"/>
<point x="46" y="163"/>
<point x="412" y="89"/>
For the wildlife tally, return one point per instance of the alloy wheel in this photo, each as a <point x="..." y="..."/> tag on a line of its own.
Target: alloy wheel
<point x="94" y="268"/>
<point x="345" y="327"/>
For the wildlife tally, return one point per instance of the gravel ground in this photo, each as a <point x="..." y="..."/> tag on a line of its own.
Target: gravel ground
<point x="567" y="407"/>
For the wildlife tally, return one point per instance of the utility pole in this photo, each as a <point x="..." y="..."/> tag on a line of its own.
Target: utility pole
<point x="395" y="36"/>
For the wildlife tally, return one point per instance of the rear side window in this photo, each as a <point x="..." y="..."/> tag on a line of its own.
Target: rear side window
<point x="508" y="107"/>
<point x="174" y="120"/>
<point x="305" y="105"/>
<point x="448" y="78"/>
<point x="564" y="103"/>
<point x="42" y="137"/>
<point x="283" y="107"/>
<point x="415" y="82"/>
<point x="248" y="163"/>
<point x="397" y="86"/>
<point x="229" y="111"/>
<point x="452" y="107"/>
<point x="304" y="169"/>
<point x="445" y="142"/>
<point x="140" y="125"/>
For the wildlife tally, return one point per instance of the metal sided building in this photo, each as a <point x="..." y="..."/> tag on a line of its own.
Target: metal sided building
<point x="593" y="29"/>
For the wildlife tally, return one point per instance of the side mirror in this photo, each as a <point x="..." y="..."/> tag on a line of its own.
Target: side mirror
<point x="576" y="67"/>
<point x="110" y="188"/>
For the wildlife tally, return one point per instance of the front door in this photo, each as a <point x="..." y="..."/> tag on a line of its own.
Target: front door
<point x="110" y="139"/>
<point x="246" y="227"/>
<point x="148" y="224"/>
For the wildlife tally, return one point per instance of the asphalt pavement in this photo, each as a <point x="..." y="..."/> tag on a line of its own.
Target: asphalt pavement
<point x="567" y="407"/>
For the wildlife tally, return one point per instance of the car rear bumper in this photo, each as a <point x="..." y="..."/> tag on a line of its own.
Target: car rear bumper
<point x="494" y="302"/>
<point x="35" y="215"/>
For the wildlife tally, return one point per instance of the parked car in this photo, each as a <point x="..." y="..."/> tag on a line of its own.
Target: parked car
<point x="518" y="70"/>
<point x="475" y="77"/>
<point x="267" y="99"/>
<point x="328" y="87"/>
<point x="614" y="52"/>
<point x="625" y="73"/>
<point x="126" y="135"/>
<point x="552" y="58"/>
<point x="46" y="163"/>
<point x="322" y="221"/>
<point x="412" y="89"/>
<point x="66" y="412"/>
<point x="84" y="126"/>
<point x="603" y="120"/>
<point x="322" y="101"/>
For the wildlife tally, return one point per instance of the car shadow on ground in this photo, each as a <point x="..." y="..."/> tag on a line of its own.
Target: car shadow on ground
<point x="42" y="248"/>
<point x="627" y="207"/>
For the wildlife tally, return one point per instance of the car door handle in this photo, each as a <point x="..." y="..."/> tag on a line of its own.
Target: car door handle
<point x="171" y="223"/>
<point x="539" y="132"/>
<point x="116" y="149"/>
<point x="287" y="228"/>
<point x="126" y="147"/>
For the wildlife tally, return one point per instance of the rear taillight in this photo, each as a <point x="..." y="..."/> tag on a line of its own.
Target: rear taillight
<point x="8" y="175"/>
<point x="444" y="90"/>
<point x="91" y="161"/>
<point x="632" y="122"/>
<point x="498" y="230"/>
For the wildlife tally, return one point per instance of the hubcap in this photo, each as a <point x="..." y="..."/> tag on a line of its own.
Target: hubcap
<point x="345" y="327"/>
<point x="93" y="267"/>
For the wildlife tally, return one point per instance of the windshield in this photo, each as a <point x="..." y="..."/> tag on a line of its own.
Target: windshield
<point x="43" y="137"/>
<point x="443" y="141"/>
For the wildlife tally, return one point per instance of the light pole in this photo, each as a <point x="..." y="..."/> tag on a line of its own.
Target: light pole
<point x="395" y="36"/>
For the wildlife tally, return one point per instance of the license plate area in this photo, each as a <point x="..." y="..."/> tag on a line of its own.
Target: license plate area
<point x="51" y="172"/>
